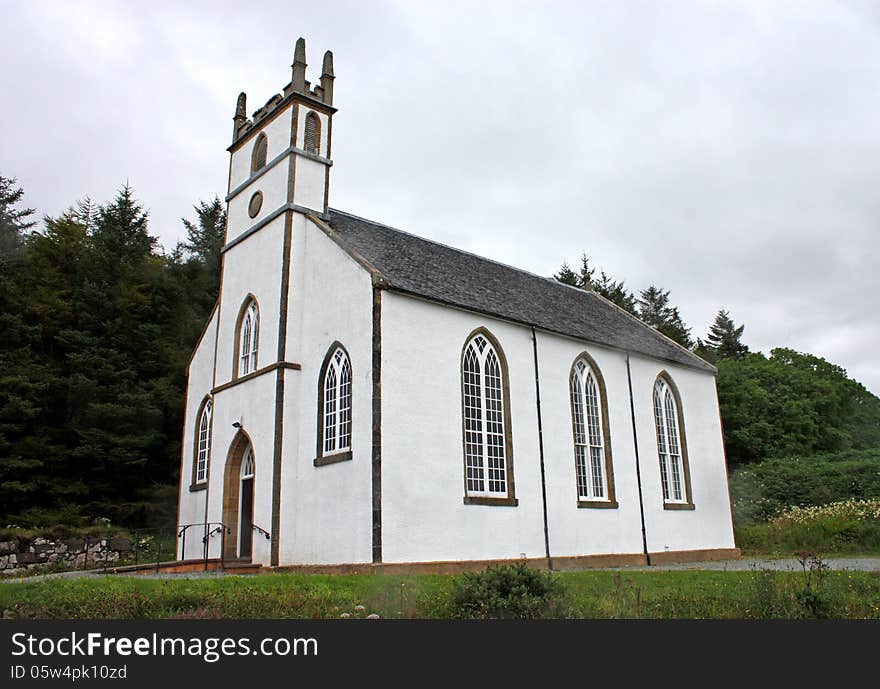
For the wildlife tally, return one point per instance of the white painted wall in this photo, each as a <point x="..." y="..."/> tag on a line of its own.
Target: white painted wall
<point x="326" y="511"/>
<point x="278" y="135"/>
<point x="191" y="507"/>
<point x="253" y="404"/>
<point x="586" y="531"/>
<point x="273" y="184"/>
<point x="423" y="515"/>
<point x="422" y="475"/>
<point x="709" y="525"/>
<point x="310" y="182"/>
<point x="251" y="267"/>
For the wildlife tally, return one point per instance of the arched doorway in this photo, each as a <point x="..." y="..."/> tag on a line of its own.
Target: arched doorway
<point x="238" y="498"/>
<point x="246" y="505"/>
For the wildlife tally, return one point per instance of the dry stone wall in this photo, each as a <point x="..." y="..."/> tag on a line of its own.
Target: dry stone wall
<point x="20" y="556"/>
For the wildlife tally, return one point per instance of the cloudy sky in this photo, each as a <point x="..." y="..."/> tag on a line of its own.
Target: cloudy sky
<point x="726" y="151"/>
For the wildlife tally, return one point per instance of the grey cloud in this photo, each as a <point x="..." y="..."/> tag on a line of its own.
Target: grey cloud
<point x="726" y="151"/>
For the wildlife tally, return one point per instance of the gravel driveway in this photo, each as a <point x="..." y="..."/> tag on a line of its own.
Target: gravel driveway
<point x="864" y="564"/>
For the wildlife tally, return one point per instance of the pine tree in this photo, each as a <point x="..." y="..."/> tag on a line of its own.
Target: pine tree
<point x="96" y="327"/>
<point x="653" y="304"/>
<point x="205" y="238"/>
<point x="654" y="310"/>
<point x="724" y="340"/>
<point x="612" y="290"/>
<point x="13" y="221"/>
<point x="21" y="381"/>
<point x="40" y="471"/>
<point x="585" y="276"/>
<point x="616" y="292"/>
<point x="567" y="276"/>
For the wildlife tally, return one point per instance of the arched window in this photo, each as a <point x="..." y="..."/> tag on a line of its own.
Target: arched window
<point x="334" y="407"/>
<point x="488" y="456"/>
<point x="592" y="445"/>
<point x="671" y="445"/>
<point x="261" y="150"/>
<point x="203" y="444"/>
<point x="247" y="463"/>
<point x="248" y="338"/>
<point x="313" y="134"/>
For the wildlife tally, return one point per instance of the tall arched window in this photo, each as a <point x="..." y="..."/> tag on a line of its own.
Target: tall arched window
<point x="248" y="338"/>
<point x="592" y="444"/>
<point x="488" y="456"/>
<point x="203" y="444"/>
<point x="313" y="134"/>
<point x="260" y="152"/>
<point x="334" y="407"/>
<point x="671" y="445"/>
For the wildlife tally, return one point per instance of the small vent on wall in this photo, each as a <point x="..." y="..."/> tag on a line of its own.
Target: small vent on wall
<point x="313" y="134"/>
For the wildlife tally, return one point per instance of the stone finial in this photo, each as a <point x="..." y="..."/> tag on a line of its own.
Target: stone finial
<point x="299" y="65"/>
<point x="327" y="78"/>
<point x="240" y="114"/>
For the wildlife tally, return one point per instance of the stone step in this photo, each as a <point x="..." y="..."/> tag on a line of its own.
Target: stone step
<point x="242" y="567"/>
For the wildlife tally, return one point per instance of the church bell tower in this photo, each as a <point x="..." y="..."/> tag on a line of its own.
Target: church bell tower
<point x="279" y="173"/>
<point x="281" y="155"/>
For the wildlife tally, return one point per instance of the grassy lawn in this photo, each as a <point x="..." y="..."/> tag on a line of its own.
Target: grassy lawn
<point x="591" y="594"/>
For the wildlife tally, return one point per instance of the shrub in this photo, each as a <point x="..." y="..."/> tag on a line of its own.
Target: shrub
<point x="845" y="510"/>
<point x="843" y="526"/>
<point x="508" y="592"/>
<point x="760" y="491"/>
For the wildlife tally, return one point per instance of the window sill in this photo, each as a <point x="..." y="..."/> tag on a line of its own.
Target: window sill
<point x="332" y="459"/>
<point x="504" y="502"/>
<point x="678" y="506"/>
<point x="196" y="487"/>
<point x="598" y="504"/>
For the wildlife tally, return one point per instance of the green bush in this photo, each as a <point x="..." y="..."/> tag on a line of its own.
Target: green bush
<point x="508" y="592"/>
<point x="844" y="526"/>
<point x="759" y="491"/>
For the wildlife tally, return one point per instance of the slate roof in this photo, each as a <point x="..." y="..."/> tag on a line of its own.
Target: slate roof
<point x="440" y="273"/>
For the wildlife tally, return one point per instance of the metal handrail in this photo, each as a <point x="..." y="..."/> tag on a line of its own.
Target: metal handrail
<point x="211" y="529"/>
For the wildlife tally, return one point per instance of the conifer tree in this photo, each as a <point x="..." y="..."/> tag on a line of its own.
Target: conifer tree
<point x="21" y="380"/>
<point x="654" y="310"/>
<point x="725" y="338"/>
<point x="585" y="276"/>
<point x="204" y="241"/>
<point x="613" y="290"/>
<point x="566" y="275"/>
<point x="616" y="292"/>
<point x="13" y="221"/>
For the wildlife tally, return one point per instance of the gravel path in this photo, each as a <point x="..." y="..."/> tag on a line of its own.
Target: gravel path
<point x="864" y="564"/>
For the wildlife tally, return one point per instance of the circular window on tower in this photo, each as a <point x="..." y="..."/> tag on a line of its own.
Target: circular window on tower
<point x="256" y="204"/>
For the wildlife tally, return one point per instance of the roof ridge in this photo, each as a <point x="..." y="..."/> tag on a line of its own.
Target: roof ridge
<point x="632" y="317"/>
<point x="654" y="330"/>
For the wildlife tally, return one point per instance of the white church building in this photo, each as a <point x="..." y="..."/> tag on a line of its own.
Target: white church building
<point x="363" y="399"/>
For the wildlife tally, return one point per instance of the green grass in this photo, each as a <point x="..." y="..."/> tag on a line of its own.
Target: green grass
<point x="590" y="594"/>
<point x="832" y="537"/>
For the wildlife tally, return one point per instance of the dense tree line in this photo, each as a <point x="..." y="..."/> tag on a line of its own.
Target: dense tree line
<point x="96" y="326"/>
<point x="787" y="403"/>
